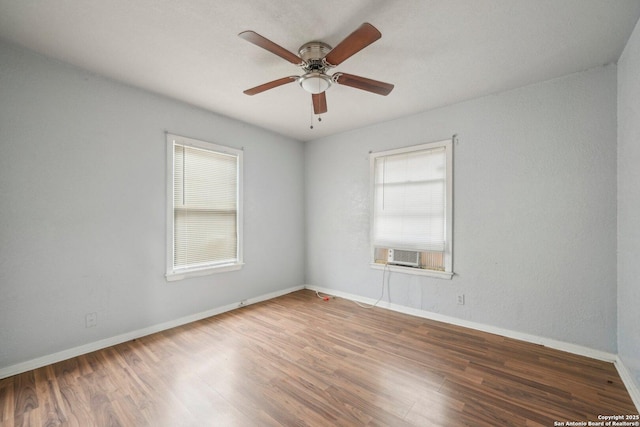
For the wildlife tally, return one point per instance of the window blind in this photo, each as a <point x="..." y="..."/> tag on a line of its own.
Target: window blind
<point x="410" y="200"/>
<point x="205" y="200"/>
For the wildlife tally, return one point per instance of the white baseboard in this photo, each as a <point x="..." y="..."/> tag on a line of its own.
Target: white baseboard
<point x="534" y="339"/>
<point x="118" y="339"/>
<point x="627" y="379"/>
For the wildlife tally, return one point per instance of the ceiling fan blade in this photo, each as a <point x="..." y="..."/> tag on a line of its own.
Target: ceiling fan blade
<point x="355" y="42"/>
<point x="381" y="88"/>
<point x="319" y="102"/>
<point x="270" y="85"/>
<point x="258" y="40"/>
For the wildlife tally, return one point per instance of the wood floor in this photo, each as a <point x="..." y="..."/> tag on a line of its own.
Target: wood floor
<point x="298" y="360"/>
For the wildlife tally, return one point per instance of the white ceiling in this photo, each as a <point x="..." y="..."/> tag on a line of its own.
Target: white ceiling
<point x="436" y="52"/>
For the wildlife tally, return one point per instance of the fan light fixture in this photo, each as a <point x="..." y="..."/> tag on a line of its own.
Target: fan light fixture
<point x="315" y="82"/>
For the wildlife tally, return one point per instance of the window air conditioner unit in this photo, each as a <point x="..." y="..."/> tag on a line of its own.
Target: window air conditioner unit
<point x="406" y="258"/>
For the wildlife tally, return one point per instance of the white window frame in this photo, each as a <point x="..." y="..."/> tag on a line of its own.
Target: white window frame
<point x="173" y="274"/>
<point x="448" y="249"/>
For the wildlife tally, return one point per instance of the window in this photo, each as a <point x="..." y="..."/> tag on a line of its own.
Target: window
<point x="411" y="227"/>
<point x="204" y="208"/>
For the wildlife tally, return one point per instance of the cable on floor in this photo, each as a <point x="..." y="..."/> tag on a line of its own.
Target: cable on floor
<point x="325" y="297"/>
<point x="384" y="272"/>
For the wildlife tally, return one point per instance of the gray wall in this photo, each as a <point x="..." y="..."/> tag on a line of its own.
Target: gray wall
<point x="534" y="210"/>
<point x="82" y="222"/>
<point x="629" y="206"/>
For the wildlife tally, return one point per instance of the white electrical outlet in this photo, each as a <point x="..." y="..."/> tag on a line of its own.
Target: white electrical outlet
<point x="460" y="299"/>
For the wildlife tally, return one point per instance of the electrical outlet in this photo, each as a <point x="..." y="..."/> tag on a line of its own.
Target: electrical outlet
<point x="91" y="320"/>
<point x="460" y="299"/>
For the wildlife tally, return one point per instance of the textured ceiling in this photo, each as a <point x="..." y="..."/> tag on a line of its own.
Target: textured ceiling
<point x="435" y="52"/>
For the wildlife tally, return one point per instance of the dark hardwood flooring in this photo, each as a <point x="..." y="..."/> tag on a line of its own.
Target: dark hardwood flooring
<point x="300" y="361"/>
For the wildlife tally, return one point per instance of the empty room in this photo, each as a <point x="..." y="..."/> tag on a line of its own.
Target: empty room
<point x="368" y="212"/>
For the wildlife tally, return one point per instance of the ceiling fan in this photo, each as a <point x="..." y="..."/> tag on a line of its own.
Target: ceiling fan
<point x="316" y="58"/>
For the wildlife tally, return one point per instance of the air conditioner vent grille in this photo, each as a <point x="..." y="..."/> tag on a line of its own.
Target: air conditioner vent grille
<point x="402" y="257"/>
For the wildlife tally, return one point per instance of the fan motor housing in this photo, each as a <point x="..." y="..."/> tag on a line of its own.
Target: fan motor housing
<point x="312" y="54"/>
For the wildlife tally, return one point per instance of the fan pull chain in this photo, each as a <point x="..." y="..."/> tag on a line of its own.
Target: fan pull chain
<point x="311" y="112"/>
<point x="311" y="117"/>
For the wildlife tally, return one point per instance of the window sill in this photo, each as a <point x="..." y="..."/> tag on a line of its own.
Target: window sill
<point x="179" y="275"/>
<point x="414" y="271"/>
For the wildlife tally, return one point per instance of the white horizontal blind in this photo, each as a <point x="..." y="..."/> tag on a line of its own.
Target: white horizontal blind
<point x="409" y="192"/>
<point x="205" y="201"/>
